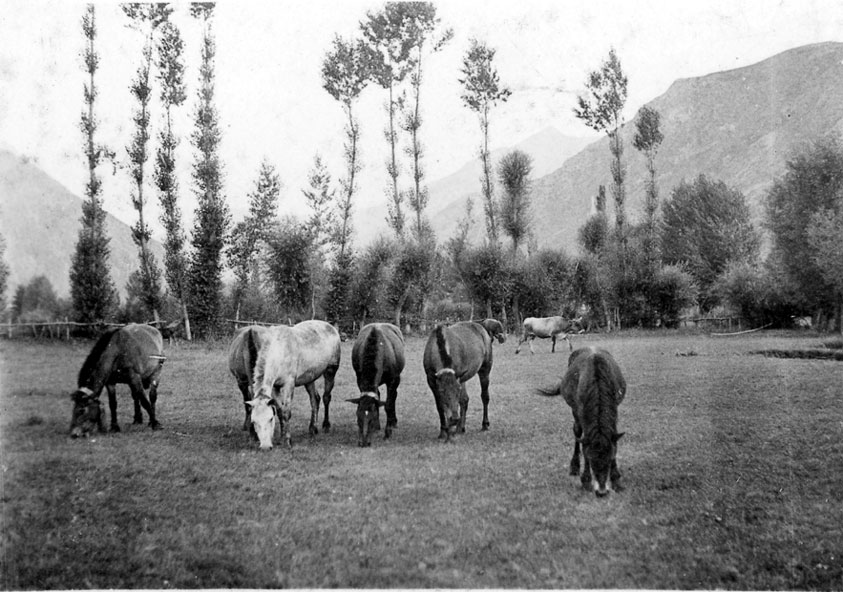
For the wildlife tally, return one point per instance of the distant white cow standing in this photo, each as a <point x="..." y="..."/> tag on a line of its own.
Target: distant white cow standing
<point x="544" y="327"/>
<point x="291" y="357"/>
<point x="802" y="322"/>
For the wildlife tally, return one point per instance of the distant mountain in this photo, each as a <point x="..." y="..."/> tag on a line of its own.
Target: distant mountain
<point x="739" y="126"/>
<point x="39" y="219"/>
<point x="549" y="148"/>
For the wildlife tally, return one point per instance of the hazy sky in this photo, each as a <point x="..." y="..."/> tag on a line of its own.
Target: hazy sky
<point x="272" y="105"/>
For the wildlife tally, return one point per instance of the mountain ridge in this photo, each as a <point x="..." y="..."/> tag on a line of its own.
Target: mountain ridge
<point x="739" y="126"/>
<point x="34" y="214"/>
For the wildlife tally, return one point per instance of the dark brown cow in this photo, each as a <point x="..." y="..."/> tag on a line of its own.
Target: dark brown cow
<point x="377" y="357"/>
<point x="594" y="386"/>
<point x="452" y="356"/>
<point x="131" y="355"/>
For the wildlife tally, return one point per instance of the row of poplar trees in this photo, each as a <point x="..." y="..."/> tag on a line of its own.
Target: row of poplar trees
<point x="194" y="276"/>
<point x="390" y="51"/>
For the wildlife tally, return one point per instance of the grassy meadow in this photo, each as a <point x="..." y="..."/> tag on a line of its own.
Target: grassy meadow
<point x="732" y="463"/>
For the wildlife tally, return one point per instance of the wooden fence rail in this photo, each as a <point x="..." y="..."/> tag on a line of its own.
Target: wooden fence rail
<point x="53" y="329"/>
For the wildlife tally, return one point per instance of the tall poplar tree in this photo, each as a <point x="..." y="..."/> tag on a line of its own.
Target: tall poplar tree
<point x="345" y="73"/>
<point x="423" y="25"/>
<point x="212" y="218"/>
<point x="648" y="137"/>
<point x="320" y="201"/>
<point x="170" y="63"/>
<point x="146" y="18"/>
<point x="91" y="288"/>
<point x="4" y="276"/>
<point x="389" y="46"/>
<point x="482" y="90"/>
<point x="514" y="171"/>
<point x="247" y="235"/>
<point x="602" y="110"/>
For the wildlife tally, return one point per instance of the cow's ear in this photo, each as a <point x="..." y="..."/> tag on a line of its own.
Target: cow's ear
<point x="355" y="400"/>
<point x="251" y="403"/>
<point x="617" y="436"/>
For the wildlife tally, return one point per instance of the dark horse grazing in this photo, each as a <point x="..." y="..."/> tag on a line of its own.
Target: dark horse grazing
<point x="130" y="355"/>
<point x="593" y="386"/>
<point x="452" y="356"/>
<point x="242" y="357"/>
<point x="544" y="327"/>
<point x="377" y="358"/>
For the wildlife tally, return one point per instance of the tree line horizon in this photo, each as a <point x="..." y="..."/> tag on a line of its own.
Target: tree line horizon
<point x="698" y="248"/>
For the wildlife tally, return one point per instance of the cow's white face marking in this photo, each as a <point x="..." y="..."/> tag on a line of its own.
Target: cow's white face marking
<point x="264" y="417"/>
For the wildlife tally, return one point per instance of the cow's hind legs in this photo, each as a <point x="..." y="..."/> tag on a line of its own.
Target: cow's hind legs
<point x="148" y="404"/>
<point x="483" y="375"/>
<point x="112" y="405"/>
<point x="391" y="417"/>
<point x="138" y="417"/>
<point x="314" y="406"/>
<point x="575" y="460"/>
<point x="330" y="373"/>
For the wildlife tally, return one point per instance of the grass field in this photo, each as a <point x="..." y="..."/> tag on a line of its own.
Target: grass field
<point x="732" y="462"/>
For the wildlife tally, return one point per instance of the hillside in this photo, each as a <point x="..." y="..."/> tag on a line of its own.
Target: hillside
<point x="739" y="126"/>
<point x="549" y="148"/>
<point x="39" y="218"/>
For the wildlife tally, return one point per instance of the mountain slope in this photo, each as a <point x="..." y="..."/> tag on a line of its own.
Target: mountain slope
<point x="739" y="126"/>
<point x="39" y="218"/>
<point x="549" y="148"/>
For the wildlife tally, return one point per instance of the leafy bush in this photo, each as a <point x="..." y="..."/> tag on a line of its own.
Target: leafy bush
<point x="674" y="289"/>
<point x="756" y="294"/>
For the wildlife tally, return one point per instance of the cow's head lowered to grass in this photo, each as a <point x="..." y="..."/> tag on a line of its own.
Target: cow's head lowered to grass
<point x="264" y="417"/>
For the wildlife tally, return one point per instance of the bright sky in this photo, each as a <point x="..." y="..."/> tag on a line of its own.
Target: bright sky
<point x="272" y="105"/>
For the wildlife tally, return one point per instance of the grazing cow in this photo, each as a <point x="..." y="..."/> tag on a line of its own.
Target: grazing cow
<point x="131" y="355"/>
<point x="452" y="356"/>
<point x="377" y="357"/>
<point x="548" y="327"/>
<point x="242" y="357"/>
<point x="594" y="386"/>
<point x="291" y="357"/>
<point x="802" y="322"/>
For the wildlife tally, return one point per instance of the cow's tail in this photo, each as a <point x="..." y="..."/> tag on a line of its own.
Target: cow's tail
<point x="370" y="374"/>
<point x="252" y="348"/>
<point x="442" y="346"/>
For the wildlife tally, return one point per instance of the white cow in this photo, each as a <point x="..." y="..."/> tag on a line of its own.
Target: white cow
<point x="544" y="327"/>
<point x="291" y="357"/>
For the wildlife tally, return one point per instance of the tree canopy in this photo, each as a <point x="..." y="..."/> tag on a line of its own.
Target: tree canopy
<point x="706" y="225"/>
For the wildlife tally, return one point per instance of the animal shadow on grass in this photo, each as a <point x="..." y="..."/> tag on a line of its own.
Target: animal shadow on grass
<point x="230" y="437"/>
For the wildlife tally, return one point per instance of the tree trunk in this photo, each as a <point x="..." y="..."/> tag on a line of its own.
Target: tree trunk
<point x="398" y="308"/>
<point x="187" y="334"/>
<point x="839" y="321"/>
